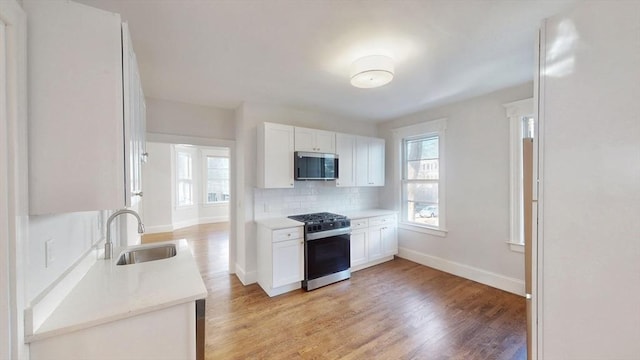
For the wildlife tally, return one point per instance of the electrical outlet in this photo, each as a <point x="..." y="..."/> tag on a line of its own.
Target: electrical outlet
<point x="49" y="254"/>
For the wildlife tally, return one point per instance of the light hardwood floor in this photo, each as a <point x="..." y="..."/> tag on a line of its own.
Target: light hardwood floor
<point x="396" y="310"/>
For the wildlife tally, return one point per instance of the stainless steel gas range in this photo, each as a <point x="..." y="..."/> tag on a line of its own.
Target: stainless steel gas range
<point x="327" y="248"/>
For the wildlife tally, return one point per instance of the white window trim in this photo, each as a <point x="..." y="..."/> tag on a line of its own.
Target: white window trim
<point x="515" y="112"/>
<point x="204" y="155"/>
<point x="432" y="127"/>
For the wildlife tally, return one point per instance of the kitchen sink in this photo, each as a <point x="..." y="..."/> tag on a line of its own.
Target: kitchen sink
<point x="150" y="253"/>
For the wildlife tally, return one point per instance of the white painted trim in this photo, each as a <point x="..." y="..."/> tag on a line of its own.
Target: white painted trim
<point x="537" y="243"/>
<point x="516" y="247"/>
<point x="158" y="229"/>
<point x="515" y="111"/>
<point x="422" y="229"/>
<point x="213" y="219"/>
<point x="14" y="189"/>
<point x="434" y="127"/>
<point x="184" y="224"/>
<point x="45" y="303"/>
<point x="246" y="278"/>
<point x="498" y="281"/>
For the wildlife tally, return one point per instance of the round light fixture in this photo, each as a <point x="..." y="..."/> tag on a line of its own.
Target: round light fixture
<point x="371" y="71"/>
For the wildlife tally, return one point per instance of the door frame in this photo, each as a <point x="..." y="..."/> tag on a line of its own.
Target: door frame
<point x="13" y="182"/>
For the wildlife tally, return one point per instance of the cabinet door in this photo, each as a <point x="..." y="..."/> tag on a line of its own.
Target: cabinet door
<point x="389" y="240"/>
<point x="305" y="140"/>
<point x="358" y="247"/>
<point x="325" y="141"/>
<point x="313" y="140"/>
<point x="362" y="161"/>
<point x="76" y="151"/>
<point x="369" y="161"/>
<point x="275" y="156"/>
<point x="346" y="150"/>
<point x="288" y="262"/>
<point x="375" y="243"/>
<point x="375" y="173"/>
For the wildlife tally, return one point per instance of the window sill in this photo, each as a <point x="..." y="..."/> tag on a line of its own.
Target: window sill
<point x="516" y="247"/>
<point x="423" y="229"/>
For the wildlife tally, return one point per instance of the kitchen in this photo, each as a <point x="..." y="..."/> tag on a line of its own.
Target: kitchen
<point x="474" y="244"/>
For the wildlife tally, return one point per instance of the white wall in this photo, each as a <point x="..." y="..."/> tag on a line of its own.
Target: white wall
<point x="590" y="196"/>
<point x="73" y="235"/>
<point x="247" y="118"/>
<point x="477" y="191"/>
<point x="177" y="118"/>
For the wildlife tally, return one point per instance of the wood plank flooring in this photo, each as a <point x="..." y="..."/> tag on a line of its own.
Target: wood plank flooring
<point x="396" y="310"/>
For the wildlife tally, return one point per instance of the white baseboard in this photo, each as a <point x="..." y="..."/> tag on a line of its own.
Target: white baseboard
<point x="184" y="224"/>
<point x="158" y="229"/>
<point x="498" y="281"/>
<point x="213" y="219"/>
<point x="246" y="278"/>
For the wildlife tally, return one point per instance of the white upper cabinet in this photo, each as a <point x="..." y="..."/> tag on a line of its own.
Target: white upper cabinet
<point x="369" y="161"/>
<point x="346" y="150"/>
<point x="275" y="156"/>
<point x="76" y="126"/>
<point x="312" y="140"/>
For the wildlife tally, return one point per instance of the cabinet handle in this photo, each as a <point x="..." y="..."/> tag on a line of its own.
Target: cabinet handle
<point x="289" y="235"/>
<point x="137" y="193"/>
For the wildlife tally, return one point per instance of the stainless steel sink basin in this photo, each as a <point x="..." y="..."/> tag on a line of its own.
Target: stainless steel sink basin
<point x="151" y="253"/>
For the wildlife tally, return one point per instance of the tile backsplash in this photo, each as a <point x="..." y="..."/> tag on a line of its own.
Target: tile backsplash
<point x="313" y="196"/>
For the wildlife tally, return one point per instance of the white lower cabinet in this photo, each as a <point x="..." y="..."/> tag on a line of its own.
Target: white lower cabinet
<point x="168" y="333"/>
<point x="280" y="259"/>
<point x="373" y="241"/>
<point x="359" y="247"/>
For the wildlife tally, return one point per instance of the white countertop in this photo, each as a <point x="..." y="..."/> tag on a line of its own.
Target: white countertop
<point x="109" y="292"/>
<point x="359" y="214"/>
<point x="279" y="223"/>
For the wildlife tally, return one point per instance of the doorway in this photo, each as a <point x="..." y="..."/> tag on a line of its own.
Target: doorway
<point x="189" y="193"/>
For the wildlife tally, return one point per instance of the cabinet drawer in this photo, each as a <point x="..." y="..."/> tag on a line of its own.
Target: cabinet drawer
<point x="359" y="224"/>
<point x="288" y="234"/>
<point x="382" y="220"/>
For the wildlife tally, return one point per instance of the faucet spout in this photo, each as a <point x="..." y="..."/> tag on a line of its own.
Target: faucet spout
<point x="108" y="245"/>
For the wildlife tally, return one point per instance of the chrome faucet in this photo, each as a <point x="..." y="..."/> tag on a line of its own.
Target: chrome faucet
<point x="108" y="249"/>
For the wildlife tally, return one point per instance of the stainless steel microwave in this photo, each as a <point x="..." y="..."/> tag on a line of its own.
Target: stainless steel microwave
<point x="315" y="166"/>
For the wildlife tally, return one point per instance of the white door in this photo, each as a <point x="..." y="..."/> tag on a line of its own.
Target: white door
<point x="358" y="247"/>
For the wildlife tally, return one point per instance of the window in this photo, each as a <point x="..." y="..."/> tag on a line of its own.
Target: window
<point x="184" y="179"/>
<point x="217" y="179"/>
<point x="422" y="176"/>
<point x="420" y="180"/>
<point x="522" y="125"/>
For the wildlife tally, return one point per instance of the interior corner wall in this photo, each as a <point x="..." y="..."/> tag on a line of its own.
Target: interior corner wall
<point x="178" y="118"/>
<point x="477" y="191"/>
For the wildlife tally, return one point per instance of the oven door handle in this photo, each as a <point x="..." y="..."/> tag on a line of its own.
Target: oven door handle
<point x="328" y="233"/>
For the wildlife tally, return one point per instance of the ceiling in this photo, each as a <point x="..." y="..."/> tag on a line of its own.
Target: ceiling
<point x="298" y="53"/>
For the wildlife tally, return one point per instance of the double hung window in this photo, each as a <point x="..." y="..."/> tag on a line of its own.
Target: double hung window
<point x="184" y="179"/>
<point x="217" y="179"/>
<point x="422" y="200"/>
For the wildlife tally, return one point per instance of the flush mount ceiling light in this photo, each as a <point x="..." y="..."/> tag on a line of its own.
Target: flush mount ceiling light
<point x="371" y="71"/>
